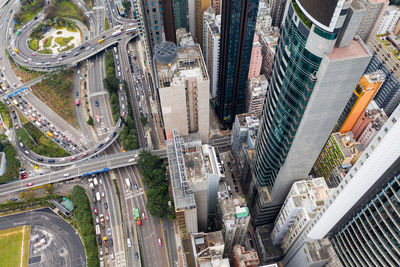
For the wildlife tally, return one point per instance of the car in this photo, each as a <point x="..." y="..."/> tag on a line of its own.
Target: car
<point x="85" y="154"/>
<point x="33" y="54"/>
<point x="135" y="186"/>
<point x="142" y="77"/>
<point x="126" y="69"/>
<point x="76" y="93"/>
<point x="69" y="140"/>
<point x="96" y="103"/>
<point x="136" y="256"/>
<point x="29" y="184"/>
<point x="112" y="255"/>
<point x="101" y="252"/>
<point x="105" y="205"/>
<point x="109" y="233"/>
<point x="107" y="217"/>
<point x="99" y="241"/>
<point x="143" y="216"/>
<point x="73" y="158"/>
<point x="110" y="241"/>
<point x="97" y="220"/>
<point x="95" y="211"/>
<point x="248" y="234"/>
<point x="103" y="194"/>
<point x="159" y="242"/>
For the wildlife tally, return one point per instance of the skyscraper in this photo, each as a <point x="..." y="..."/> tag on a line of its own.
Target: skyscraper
<point x="237" y="32"/>
<point x="201" y="6"/>
<point x="318" y="63"/>
<point x="154" y="21"/>
<point x="180" y="14"/>
<point x="361" y="219"/>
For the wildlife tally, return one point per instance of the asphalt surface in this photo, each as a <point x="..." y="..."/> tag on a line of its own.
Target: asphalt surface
<point x="62" y="246"/>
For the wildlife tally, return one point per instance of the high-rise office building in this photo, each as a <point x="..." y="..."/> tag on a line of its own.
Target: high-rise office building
<point x="359" y="100"/>
<point x="277" y="10"/>
<point x="179" y="8"/>
<point x="211" y="41"/>
<point x="238" y="24"/>
<point x="385" y="49"/>
<point x="201" y="6"/>
<point x="168" y="18"/>
<point x="361" y="218"/>
<point x="318" y="63"/>
<point x="372" y="18"/>
<point x="154" y="20"/>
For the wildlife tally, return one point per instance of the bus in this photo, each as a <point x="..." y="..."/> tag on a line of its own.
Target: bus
<point x="116" y="33"/>
<point x="100" y="41"/>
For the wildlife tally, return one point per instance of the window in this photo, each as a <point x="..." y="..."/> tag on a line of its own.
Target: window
<point x="154" y="10"/>
<point x="153" y="3"/>
<point x="156" y="28"/>
<point x="157" y="33"/>
<point x="156" y="22"/>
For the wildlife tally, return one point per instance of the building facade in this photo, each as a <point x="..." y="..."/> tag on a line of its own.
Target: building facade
<point x="211" y="42"/>
<point x="243" y="258"/>
<point x="180" y="11"/>
<point x="269" y="41"/>
<point x="277" y="10"/>
<point x="154" y="20"/>
<point x="304" y="200"/>
<point x="201" y="6"/>
<point x="389" y="20"/>
<point x="256" y="92"/>
<point x="360" y="99"/>
<point x="385" y="49"/>
<point x="238" y="24"/>
<point x="378" y="118"/>
<point x="183" y="88"/>
<point x="256" y="59"/>
<point x="340" y="150"/>
<point x="360" y="218"/>
<point x="302" y="103"/>
<point x="372" y="18"/>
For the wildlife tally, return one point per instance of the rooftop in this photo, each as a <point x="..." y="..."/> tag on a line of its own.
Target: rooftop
<point x="208" y="244"/>
<point x="355" y="50"/>
<point x="348" y="146"/>
<point x="189" y="63"/>
<point x="245" y="257"/>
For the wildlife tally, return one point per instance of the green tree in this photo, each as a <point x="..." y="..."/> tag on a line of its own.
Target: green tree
<point x="143" y="119"/>
<point x="90" y="121"/>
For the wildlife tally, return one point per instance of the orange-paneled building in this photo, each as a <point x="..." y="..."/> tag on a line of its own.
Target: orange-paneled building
<point x="364" y="92"/>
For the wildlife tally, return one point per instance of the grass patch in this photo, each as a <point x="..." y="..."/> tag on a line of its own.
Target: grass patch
<point x="33" y="44"/>
<point x="47" y="41"/>
<point x="57" y="93"/>
<point x="13" y="163"/>
<point x="5" y="115"/>
<point x="46" y="51"/>
<point x="29" y="10"/>
<point x="119" y="197"/>
<point x="107" y="24"/>
<point x="63" y="41"/>
<point x="13" y="242"/>
<point x="69" y="47"/>
<point x="25" y="73"/>
<point x="89" y="3"/>
<point x="66" y="9"/>
<point x="36" y="141"/>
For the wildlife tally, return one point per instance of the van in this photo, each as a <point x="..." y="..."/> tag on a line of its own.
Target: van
<point x="229" y="188"/>
<point x="26" y="152"/>
<point x="76" y="53"/>
<point x="128" y="241"/>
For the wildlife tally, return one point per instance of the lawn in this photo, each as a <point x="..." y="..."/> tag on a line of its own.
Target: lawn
<point x="36" y="141"/>
<point x="33" y="44"/>
<point x="5" y="115"/>
<point x="107" y="24"/>
<point x="46" y="51"/>
<point x="57" y="93"/>
<point x="13" y="242"/>
<point x="47" y="41"/>
<point x="63" y="41"/>
<point x="68" y="9"/>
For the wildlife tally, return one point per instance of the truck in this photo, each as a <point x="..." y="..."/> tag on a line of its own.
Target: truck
<point x="98" y="196"/>
<point x="95" y="182"/>
<point x="91" y="186"/>
<point x="137" y="217"/>
<point x="98" y="230"/>
<point x="101" y="41"/>
<point x="77" y="102"/>
<point x="102" y="222"/>
<point x="50" y="134"/>
<point x="128" y="183"/>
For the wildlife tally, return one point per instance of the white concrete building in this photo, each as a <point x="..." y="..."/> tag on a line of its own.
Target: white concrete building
<point x="256" y="91"/>
<point x="304" y="200"/>
<point x="184" y="89"/>
<point x="389" y="20"/>
<point x="211" y="39"/>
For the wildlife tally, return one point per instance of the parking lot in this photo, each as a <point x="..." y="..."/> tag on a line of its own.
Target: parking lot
<point x="53" y="241"/>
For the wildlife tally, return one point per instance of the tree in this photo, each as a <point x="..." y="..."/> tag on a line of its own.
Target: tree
<point x="27" y="196"/>
<point x="49" y="188"/>
<point x="171" y="210"/>
<point x="90" y="121"/>
<point x="143" y="119"/>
